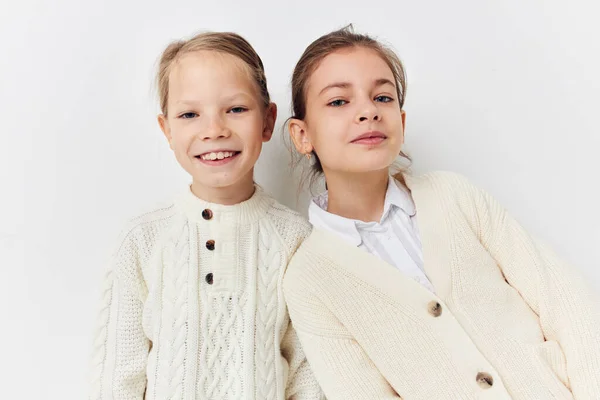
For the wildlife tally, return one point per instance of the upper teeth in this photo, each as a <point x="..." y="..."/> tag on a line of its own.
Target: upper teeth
<point x="217" y="156"/>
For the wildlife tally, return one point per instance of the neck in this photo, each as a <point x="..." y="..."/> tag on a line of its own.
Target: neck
<point x="228" y="195"/>
<point x="357" y="196"/>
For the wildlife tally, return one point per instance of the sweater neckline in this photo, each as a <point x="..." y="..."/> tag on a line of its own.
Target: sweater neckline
<point x="432" y="226"/>
<point x="246" y="212"/>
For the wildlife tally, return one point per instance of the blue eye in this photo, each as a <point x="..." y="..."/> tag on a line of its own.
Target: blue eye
<point x="238" y="110"/>
<point x="384" y="99"/>
<point x="337" y="103"/>
<point x="188" y="115"/>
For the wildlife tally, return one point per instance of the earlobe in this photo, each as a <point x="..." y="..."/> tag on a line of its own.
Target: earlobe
<point x="165" y="128"/>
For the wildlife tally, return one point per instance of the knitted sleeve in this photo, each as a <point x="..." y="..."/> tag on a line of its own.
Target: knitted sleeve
<point x="120" y="347"/>
<point x="568" y="309"/>
<point x="341" y="366"/>
<point x="301" y="383"/>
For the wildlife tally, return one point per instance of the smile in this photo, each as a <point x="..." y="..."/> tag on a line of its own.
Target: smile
<point x="217" y="155"/>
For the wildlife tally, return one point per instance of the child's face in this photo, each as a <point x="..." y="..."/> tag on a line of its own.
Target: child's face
<point x="353" y="120"/>
<point x="216" y="121"/>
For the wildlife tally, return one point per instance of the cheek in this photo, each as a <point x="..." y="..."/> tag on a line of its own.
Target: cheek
<point x="250" y="130"/>
<point x="181" y="138"/>
<point x="329" y="131"/>
<point x="395" y="117"/>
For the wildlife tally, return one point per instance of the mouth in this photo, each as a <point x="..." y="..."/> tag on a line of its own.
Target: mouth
<point x="370" y="138"/>
<point x="218" y="157"/>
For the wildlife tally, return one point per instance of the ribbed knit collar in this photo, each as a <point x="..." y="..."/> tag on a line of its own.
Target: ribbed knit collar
<point x="246" y="212"/>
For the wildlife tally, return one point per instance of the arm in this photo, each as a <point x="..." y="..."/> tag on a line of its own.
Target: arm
<point x="339" y="363"/>
<point x="301" y="383"/>
<point x="121" y="348"/>
<point x="568" y="309"/>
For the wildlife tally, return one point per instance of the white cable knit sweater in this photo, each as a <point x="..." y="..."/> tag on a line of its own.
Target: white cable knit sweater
<point x="193" y="306"/>
<point x="508" y="319"/>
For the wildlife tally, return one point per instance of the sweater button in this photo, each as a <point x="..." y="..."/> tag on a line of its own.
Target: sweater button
<point x="209" y="278"/>
<point x="210" y="244"/>
<point x="435" y="308"/>
<point x="207" y="214"/>
<point x="484" y="380"/>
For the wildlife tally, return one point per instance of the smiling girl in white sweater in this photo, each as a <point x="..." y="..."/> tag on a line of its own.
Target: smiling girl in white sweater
<point x="193" y="306"/>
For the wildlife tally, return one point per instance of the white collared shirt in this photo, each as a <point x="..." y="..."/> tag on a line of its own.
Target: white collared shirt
<point x="394" y="239"/>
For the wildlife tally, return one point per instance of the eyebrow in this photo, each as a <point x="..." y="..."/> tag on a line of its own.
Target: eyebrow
<point x="346" y="85"/>
<point x="237" y="95"/>
<point x="234" y="96"/>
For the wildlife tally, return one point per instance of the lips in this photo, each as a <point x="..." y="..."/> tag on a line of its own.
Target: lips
<point x="372" y="137"/>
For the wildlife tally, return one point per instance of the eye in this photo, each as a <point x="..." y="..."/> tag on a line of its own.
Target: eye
<point x="384" y="99"/>
<point x="188" y="115"/>
<point x="237" y="110"/>
<point x="337" y="103"/>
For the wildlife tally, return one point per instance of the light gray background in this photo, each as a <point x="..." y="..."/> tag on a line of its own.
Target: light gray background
<point x="505" y="92"/>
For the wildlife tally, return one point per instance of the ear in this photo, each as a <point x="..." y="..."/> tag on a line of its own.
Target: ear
<point x="270" y="118"/>
<point x="403" y="114"/>
<point x="298" y="132"/>
<point x="164" y="126"/>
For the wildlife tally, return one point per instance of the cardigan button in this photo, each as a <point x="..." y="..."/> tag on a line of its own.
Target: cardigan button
<point x="210" y="244"/>
<point x="209" y="278"/>
<point x="207" y="214"/>
<point x="484" y="380"/>
<point x="435" y="308"/>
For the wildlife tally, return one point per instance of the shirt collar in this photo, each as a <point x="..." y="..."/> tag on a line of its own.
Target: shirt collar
<point x="396" y="196"/>
<point x="399" y="196"/>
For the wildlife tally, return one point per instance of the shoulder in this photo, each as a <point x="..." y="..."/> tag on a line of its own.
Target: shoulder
<point x="139" y="235"/>
<point x="288" y="225"/>
<point x="442" y="181"/>
<point x="448" y="188"/>
<point x="316" y="256"/>
<point x="148" y="223"/>
<point x="456" y="197"/>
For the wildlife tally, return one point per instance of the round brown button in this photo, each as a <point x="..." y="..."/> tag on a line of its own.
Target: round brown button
<point x="209" y="278"/>
<point x="207" y="214"/>
<point x="210" y="244"/>
<point x="435" y="308"/>
<point x="484" y="380"/>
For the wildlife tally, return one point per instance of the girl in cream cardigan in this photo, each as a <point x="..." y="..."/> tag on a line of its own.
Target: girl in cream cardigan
<point x="420" y="287"/>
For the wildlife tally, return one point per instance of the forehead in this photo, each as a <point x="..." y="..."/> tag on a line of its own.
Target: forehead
<point x="209" y="70"/>
<point x="355" y="65"/>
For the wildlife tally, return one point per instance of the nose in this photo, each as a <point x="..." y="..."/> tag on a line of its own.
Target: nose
<point x="368" y="112"/>
<point x="216" y="129"/>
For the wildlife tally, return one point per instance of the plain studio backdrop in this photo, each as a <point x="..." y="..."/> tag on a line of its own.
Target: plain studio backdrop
<point x="504" y="92"/>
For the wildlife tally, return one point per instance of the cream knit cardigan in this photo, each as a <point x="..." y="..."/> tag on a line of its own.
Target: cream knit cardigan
<point x="509" y="320"/>
<point x="172" y="331"/>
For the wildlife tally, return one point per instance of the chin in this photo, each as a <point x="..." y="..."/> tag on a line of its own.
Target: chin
<point x="372" y="164"/>
<point x="216" y="182"/>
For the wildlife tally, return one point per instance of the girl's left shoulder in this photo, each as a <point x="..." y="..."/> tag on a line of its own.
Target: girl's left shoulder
<point x="451" y="193"/>
<point x="291" y="227"/>
<point x="443" y="183"/>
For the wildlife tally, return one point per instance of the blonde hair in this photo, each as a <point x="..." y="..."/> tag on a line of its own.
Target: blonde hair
<point x="223" y="42"/>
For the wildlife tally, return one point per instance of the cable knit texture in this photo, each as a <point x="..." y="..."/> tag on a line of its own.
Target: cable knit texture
<point x="193" y="306"/>
<point x="509" y="320"/>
